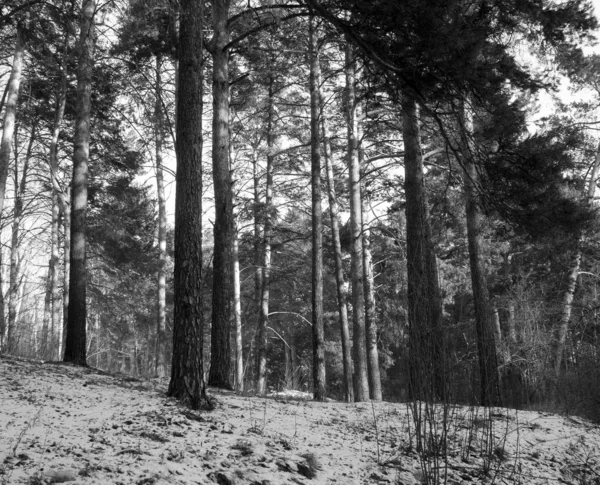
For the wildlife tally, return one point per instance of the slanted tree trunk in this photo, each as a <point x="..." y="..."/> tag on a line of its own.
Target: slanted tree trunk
<point x="265" y="279"/>
<point x="361" y="380"/>
<point x="340" y="283"/>
<point x="424" y="301"/>
<point x="484" y="330"/>
<point x="370" y="308"/>
<point x="187" y="368"/>
<point x="4" y="96"/>
<point x="15" y="241"/>
<point x="10" y="114"/>
<point x="560" y="333"/>
<point x="75" y="346"/>
<point x="224" y="223"/>
<point x="8" y="128"/>
<point x="318" y="331"/>
<point x="161" y="277"/>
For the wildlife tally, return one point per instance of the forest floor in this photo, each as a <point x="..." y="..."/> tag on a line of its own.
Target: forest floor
<point x="60" y="423"/>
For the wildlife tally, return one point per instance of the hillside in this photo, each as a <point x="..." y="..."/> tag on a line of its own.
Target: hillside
<point x="60" y="423"/>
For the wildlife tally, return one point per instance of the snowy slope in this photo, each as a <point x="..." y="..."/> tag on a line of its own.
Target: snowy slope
<point x="59" y="423"/>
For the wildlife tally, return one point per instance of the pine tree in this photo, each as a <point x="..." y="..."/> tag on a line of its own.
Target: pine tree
<point x="75" y="347"/>
<point x="187" y="368"/>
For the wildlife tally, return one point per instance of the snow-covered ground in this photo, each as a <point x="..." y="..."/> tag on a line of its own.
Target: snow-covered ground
<point x="59" y="423"/>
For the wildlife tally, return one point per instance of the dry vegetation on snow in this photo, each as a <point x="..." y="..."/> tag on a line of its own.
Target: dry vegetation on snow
<point x="60" y="423"/>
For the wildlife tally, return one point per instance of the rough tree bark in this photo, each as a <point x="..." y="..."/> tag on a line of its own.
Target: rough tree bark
<point x="337" y="248"/>
<point x="484" y="330"/>
<point x="75" y="346"/>
<point x="161" y="277"/>
<point x="361" y="381"/>
<point x="424" y="301"/>
<point x="220" y="357"/>
<point x="187" y="370"/>
<point x="318" y="331"/>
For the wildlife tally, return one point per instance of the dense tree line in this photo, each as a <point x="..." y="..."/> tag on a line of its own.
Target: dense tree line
<point x="367" y="205"/>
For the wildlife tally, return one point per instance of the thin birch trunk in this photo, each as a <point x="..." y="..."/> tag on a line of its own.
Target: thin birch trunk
<point x="370" y="308"/>
<point x="237" y="316"/>
<point x="161" y="277"/>
<point x="261" y="383"/>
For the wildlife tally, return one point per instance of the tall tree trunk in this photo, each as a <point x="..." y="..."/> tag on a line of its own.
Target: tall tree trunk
<point x="237" y="314"/>
<point x="12" y="97"/>
<point x="424" y="301"/>
<point x="220" y="360"/>
<point x="75" y="346"/>
<point x="54" y="279"/>
<point x="265" y="279"/>
<point x="361" y="380"/>
<point x="256" y="212"/>
<point x="187" y="368"/>
<point x="161" y="277"/>
<point x="340" y="283"/>
<point x="66" y="275"/>
<point x="560" y="333"/>
<point x="486" y="345"/>
<point x="15" y="241"/>
<point x="59" y="203"/>
<point x="370" y="309"/>
<point x="318" y="331"/>
<point x="10" y="113"/>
